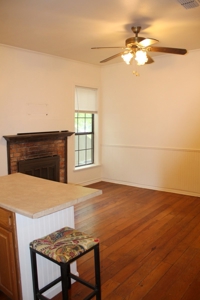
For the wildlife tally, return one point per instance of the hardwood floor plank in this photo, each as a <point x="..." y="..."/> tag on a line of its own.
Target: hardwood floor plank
<point x="163" y="285"/>
<point x="143" y="286"/>
<point x="193" y="290"/>
<point x="189" y="263"/>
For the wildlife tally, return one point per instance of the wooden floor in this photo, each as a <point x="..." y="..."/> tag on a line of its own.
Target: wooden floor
<point x="149" y="240"/>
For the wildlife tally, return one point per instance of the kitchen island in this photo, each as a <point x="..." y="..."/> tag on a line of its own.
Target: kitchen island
<point x="39" y="207"/>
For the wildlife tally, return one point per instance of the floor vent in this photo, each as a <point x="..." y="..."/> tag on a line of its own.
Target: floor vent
<point x="187" y="4"/>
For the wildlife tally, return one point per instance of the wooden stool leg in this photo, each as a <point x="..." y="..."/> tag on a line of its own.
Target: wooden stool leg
<point x="66" y="282"/>
<point x="97" y="271"/>
<point x="69" y="279"/>
<point x="34" y="273"/>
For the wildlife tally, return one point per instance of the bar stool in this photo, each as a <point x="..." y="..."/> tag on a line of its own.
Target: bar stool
<point x="63" y="247"/>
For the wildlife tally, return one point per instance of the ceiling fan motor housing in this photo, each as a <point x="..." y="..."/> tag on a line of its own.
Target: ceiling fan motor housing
<point x="136" y="29"/>
<point x="133" y="41"/>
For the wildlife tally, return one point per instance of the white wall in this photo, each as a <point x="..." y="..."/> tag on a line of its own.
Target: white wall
<point x="28" y="77"/>
<point x="151" y="124"/>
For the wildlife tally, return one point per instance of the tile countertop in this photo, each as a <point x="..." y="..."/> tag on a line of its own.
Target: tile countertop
<point x="34" y="197"/>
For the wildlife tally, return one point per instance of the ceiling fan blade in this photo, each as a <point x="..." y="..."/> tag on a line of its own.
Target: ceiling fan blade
<point x="150" y="60"/>
<point x="168" y="50"/>
<point x="111" y="57"/>
<point x="147" y="42"/>
<point x="107" y="47"/>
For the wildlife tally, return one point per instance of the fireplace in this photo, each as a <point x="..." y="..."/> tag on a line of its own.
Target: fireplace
<point x="44" y="167"/>
<point x="41" y="154"/>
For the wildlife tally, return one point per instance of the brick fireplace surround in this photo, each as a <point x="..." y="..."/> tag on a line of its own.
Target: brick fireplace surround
<point x="25" y="146"/>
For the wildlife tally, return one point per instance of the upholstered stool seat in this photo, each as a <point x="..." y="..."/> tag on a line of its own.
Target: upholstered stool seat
<point x="63" y="247"/>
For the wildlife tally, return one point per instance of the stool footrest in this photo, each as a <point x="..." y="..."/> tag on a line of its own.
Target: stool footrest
<point x="91" y="286"/>
<point x="48" y="286"/>
<point x="90" y="296"/>
<point x="41" y="297"/>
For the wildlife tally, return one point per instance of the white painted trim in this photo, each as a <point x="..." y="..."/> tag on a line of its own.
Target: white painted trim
<point x="155" y="188"/>
<point x="151" y="147"/>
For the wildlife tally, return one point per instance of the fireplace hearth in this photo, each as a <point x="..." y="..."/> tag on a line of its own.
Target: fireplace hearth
<point x="41" y="154"/>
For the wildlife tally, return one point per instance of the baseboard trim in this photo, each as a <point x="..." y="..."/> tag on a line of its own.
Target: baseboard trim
<point x="174" y="191"/>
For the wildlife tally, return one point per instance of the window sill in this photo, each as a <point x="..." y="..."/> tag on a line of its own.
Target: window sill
<point x="86" y="167"/>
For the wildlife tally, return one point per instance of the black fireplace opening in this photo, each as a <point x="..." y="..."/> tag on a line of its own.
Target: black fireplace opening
<point x="43" y="167"/>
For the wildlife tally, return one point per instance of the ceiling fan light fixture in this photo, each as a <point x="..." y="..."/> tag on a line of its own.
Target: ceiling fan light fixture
<point x="127" y="57"/>
<point x="141" y="57"/>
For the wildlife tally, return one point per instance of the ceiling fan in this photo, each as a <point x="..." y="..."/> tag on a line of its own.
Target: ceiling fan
<point x="138" y="48"/>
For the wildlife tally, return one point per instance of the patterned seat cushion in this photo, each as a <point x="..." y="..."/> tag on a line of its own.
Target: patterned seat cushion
<point x="64" y="244"/>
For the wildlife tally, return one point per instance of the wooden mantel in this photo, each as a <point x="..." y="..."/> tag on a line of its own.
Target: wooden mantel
<point x="33" y="136"/>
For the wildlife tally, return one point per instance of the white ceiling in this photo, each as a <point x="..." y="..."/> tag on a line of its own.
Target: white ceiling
<point x="69" y="28"/>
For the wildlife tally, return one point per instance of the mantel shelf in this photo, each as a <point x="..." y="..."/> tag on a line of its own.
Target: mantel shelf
<point x="33" y="136"/>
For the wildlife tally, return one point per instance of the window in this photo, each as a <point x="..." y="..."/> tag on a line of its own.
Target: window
<point x="84" y="139"/>
<point x="85" y="113"/>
